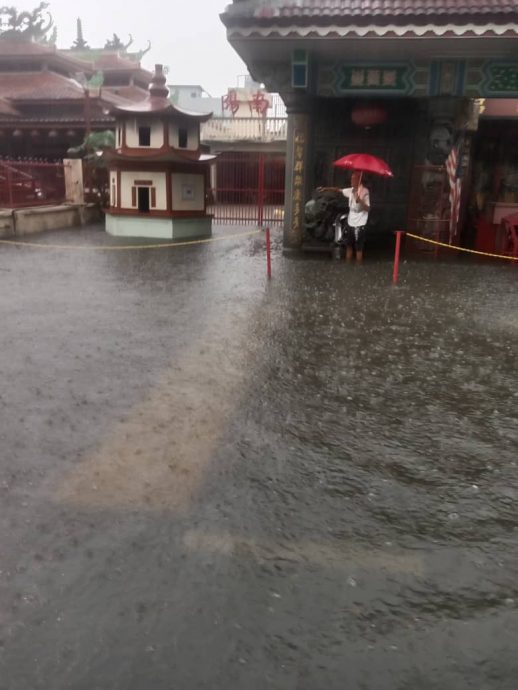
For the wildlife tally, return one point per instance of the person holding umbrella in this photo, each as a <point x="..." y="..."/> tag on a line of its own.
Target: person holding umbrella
<point x="359" y="206"/>
<point x="359" y="198"/>
<point x="353" y="235"/>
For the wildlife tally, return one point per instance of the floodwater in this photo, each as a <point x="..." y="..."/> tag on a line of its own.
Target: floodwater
<point x="211" y="482"/>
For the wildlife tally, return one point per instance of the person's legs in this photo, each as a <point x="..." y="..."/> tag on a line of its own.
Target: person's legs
<point x="360" y="243"/>
<point x="350" y="240"/>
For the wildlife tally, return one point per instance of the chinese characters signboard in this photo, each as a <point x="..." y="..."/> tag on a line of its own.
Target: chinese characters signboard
<point x="474" y="78"/>
<point x="373" y="78"/>
<point x="501" y="79"/>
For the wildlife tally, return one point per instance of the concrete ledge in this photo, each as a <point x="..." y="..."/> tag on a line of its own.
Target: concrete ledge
<point x="6" y="224"/>
<point x="28" y="221"/>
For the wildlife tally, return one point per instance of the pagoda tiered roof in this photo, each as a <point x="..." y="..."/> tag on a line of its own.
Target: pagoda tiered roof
<point x="157" y="102"/>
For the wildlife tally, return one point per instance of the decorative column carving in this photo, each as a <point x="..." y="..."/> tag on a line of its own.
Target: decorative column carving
<point x="298" y="161"/>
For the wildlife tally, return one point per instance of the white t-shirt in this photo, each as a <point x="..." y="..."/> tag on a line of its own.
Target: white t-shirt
<point x="357" y="215"/>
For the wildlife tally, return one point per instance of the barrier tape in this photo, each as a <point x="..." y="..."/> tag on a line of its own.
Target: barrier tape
<point x="103" y="247"/>
<point x="461" y="249"/>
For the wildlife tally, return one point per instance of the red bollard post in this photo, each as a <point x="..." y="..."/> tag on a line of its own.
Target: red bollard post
<point x="260" y="191"/>
<point x="397" y="253"/>
<point x="268" y="254"/>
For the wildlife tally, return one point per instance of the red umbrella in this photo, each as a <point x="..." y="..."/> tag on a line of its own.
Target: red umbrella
<point x="364" y="162"/>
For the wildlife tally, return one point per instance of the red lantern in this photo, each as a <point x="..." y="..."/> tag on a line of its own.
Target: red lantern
<point x="368" y="115"/>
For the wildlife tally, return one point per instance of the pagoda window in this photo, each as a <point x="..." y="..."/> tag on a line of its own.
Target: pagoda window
<point x="183" y="137"/>
<point x="144" y="136"/>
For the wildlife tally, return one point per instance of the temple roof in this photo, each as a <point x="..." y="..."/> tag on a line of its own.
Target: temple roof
<point x="36" y="120"/>
<point x="39" y="86"/>
<point x="111" y="62"/>
<point x="31" y="72"/>
<point x="16" y="47"/>
<point x="7" y="110"/>
<point x="119" y="63"/>
<point x="367" y="11"/>
<point x="30" y="51"/>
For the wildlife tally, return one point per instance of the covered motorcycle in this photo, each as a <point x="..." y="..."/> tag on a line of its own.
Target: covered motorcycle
<point x="322" y="212"/>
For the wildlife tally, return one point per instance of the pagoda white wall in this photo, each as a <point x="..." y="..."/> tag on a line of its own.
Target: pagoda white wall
<point x="188" y="185"/>
<point x="193" y="135"/>
<point x="158" y="181"/>
<point x="157" y="132"/>
<point x="144" y="225"/>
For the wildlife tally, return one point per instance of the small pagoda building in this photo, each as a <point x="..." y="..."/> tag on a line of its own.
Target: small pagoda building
<point x="158" y="174"/>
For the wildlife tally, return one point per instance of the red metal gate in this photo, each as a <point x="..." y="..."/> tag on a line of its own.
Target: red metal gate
<point x="248" y="188"/>
<point x="31" y="183"/>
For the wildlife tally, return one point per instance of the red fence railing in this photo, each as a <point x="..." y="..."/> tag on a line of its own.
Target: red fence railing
<point x="248" y="187"/>
<point x="31" y="183"/>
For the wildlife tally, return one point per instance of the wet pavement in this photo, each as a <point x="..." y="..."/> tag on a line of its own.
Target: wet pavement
<point x="211" y="482"/>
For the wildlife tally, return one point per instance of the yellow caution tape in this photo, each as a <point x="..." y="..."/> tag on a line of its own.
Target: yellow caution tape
<point x="102" y="247"/>
<point x="461" y="249"/>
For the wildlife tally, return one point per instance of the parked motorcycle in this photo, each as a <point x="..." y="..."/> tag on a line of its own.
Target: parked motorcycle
<point x="323" y="215"/>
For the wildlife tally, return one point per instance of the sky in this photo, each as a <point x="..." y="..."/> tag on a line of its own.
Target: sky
<point x="185" y="35"/>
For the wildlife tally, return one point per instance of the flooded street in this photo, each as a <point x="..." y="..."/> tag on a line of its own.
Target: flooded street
<point x="210" y="482"/>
